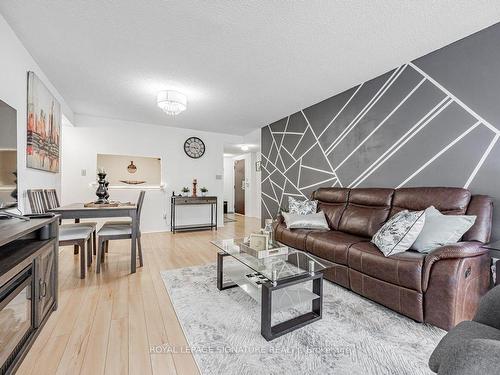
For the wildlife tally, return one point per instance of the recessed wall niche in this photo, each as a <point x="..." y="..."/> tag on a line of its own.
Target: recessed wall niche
<point x="130" y="171"/>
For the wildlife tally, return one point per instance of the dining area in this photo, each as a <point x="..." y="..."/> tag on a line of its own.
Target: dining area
<point x="80" y="228"/>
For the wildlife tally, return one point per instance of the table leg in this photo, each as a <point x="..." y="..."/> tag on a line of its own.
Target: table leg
<point x="220" y="273"/>
<point x="75" y="250"/>
<point x="133" y="245"/>
<point x="498" y="272"/>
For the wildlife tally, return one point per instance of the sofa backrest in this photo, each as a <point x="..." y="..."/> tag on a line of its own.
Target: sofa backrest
<point x="332" y="201"/>
<point x="362" y="211"/>
<point x="367" y="210"/>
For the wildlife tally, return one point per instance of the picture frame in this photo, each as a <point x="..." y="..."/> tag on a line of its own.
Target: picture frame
<point x="259" y="242"/>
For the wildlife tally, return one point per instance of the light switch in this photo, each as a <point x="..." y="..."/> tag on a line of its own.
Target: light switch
<point x="84" y="172"/>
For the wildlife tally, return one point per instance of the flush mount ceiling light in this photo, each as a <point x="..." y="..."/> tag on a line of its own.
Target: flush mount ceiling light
<point x="244" y="148"/>
<point x="172" y="102"/>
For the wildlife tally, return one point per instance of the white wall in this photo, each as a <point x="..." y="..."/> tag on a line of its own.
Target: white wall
<point x="93" y="135"/>
<point x="15" y="62"/>
<point x="229" y="183"/>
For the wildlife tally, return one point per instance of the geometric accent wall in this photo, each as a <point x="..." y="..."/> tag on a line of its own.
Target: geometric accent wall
<point x="432" y="122"/>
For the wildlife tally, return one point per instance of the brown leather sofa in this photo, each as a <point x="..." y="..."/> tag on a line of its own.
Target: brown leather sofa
<point x="442" y="288"/>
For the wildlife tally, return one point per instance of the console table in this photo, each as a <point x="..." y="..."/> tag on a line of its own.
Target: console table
<point x="28" y="284"/>
<point x="191" y="201"/>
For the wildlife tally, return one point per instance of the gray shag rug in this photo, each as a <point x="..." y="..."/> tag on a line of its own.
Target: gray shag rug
<point x="355" y="335"/>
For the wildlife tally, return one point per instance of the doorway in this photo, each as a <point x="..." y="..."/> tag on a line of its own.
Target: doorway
<point x="239" y="186"/>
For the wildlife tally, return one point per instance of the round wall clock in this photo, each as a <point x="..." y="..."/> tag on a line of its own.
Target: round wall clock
<point x="194" y="147"/>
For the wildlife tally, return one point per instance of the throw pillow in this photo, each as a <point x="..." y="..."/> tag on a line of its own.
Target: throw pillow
<point x="311" y="221"/>
<point x="399" y="232"/>
<point x="440" y="230"/>
<point x="298" y="207"/>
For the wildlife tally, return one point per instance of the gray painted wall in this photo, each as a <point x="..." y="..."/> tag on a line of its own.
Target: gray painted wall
<point x="432" y="122"/>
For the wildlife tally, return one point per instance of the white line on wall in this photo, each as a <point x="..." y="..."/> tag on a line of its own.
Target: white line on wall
<point x="265" y="205"/>
<point x="368" y="106"/>
<point x="317" y="169"/>
<point x="450" y="145"/>
<point x="458" y="101"/>
<point x="295" y="133"/>
<point x="270" y="162"/>
<point x="402" y="140"/>
<point x="381" y="123"/>
<point x="274" y="199"/>
<point x="284" y="135"/>
<point x="341" y="110"/>
<point x="319" y="145"/>
<point x="481" y="161"/>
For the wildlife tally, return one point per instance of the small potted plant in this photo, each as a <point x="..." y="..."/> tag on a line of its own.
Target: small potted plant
<point x="204" y="191"/>
<point x="185" y="191"/>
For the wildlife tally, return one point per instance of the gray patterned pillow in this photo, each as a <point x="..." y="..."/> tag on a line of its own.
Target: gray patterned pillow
<point x="302" y="207"/>
<point x="400" y="232"/>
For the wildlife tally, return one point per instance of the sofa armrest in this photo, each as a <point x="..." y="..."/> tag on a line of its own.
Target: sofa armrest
<point x="453" y="251"/>
<point x="477" y="356"/>
<point x="489" y="308"/>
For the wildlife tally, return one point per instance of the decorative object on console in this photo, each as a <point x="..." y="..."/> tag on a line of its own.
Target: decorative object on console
<point x="305" y="207"/>
<point x="194" y="147"/>
<point x="43" y="127"/>
<point x="399" y="232"/>
<point x="195" y="183"/>
<point x="185" y="191"/>
<point x="102" y="189"/>
<point x="310" y="221"/>
<point x="440" y="230"/>
<point x="131" y="167"/>
<point x="204" y="191"/>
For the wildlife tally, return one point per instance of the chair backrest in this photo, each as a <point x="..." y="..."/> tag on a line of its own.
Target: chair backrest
<point x="140" y="201"/>
<point x="51" y="198"/>
<point x="37" y="200"/>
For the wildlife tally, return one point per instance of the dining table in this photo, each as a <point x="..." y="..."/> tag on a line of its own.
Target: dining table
<point x="77" y="211"/>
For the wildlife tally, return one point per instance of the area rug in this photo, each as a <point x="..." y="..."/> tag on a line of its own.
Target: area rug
<point x="355" y="336"/>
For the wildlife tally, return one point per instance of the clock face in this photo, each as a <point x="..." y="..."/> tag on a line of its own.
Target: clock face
<point x="194" y="147"/>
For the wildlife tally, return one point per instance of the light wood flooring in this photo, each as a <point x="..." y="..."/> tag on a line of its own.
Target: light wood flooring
<point x="106" y="323"/>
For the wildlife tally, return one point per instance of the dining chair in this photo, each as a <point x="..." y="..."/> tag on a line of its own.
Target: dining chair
<point x="37" y="201"/>
<point x="79" y="235"/>
<point x="52" y="201"/>
<point x="118" y="231"/>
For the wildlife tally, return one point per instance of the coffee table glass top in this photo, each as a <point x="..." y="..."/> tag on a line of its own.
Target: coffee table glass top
<point x="275" y="267"/>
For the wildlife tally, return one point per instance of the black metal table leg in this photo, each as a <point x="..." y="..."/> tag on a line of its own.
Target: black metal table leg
<point x="271" y="332"/>
<point x="220" y="273"/>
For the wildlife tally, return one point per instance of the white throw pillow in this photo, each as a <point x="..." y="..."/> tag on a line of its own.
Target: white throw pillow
<point x="305" y="207"/>
<point x="399" y="232"/>
<point x="440" y="230"/>
<point x="311" y="221"/>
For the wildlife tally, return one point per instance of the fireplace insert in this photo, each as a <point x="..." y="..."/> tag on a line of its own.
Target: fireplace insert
<point x="16" y="316"/>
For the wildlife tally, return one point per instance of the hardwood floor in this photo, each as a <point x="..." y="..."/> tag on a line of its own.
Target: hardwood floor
<point x="107" y="323"/>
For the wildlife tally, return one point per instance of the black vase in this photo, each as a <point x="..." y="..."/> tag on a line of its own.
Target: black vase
<point x="102" y="190"/>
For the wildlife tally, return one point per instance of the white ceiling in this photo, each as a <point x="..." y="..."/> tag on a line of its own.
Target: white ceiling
<point x="243" y="64"/>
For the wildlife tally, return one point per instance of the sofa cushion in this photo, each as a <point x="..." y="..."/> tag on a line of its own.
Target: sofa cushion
<point x="366" y="211"/>
<point x="331" y="245"/>
<point x="403" y="269"/>
<point x="332" y="201"/>
<point x="295" y="238"/>
<point x="457" y="337"/>
<point x="447" y="200"/>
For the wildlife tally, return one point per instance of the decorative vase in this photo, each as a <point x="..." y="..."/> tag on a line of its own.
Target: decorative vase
<point x="102" y="190"/>
<point x="203" y="193"/>
<point x="185" y="193"/>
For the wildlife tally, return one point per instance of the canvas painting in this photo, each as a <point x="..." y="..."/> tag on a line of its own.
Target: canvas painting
<point x="44" y="127"/>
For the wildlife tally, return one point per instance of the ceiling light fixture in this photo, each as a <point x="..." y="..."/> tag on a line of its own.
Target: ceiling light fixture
<point x="172" y="102"/>
<point x="244" y="148"/>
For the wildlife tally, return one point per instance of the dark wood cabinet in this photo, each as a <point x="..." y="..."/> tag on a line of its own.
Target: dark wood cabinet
<point x="46" y="276"/>
<point x="28" y="285"/>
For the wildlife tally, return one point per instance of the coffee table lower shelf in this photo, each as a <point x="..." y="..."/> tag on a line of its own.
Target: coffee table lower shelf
<point x="276" y="296"/>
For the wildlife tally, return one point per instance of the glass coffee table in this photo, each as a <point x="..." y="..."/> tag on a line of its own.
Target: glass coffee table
<point x="277" y="282"/>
